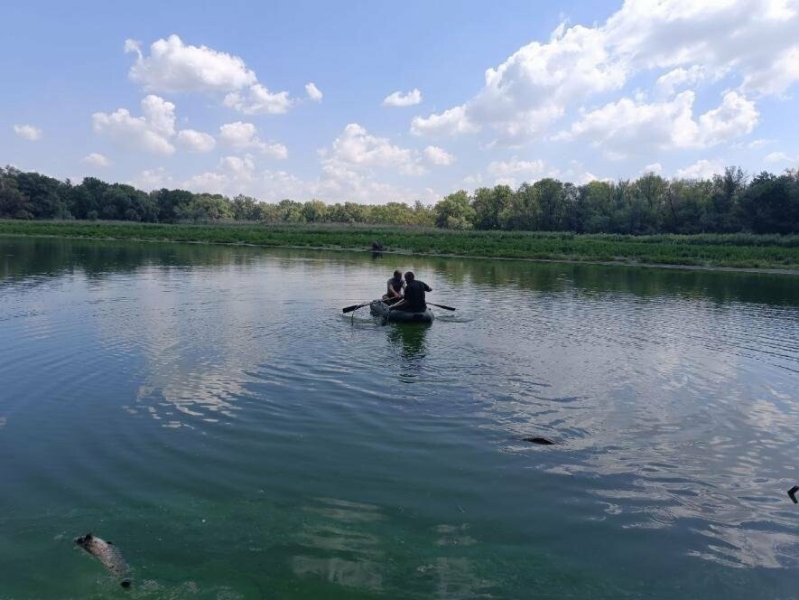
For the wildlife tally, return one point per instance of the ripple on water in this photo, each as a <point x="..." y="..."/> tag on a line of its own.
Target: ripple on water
<point x="241" y="421"/>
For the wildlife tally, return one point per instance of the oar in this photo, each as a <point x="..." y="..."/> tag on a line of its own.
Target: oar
<point x="349" y="309"/>
<point x="442" y="306"/>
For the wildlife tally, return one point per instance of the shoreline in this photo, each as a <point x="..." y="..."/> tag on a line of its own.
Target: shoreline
<point x="565" y="260"/>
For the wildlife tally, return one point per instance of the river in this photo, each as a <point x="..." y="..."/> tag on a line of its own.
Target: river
<point x="212" y="412"/>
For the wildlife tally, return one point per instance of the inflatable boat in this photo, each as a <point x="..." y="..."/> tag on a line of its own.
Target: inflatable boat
<point x="378" y="308"/>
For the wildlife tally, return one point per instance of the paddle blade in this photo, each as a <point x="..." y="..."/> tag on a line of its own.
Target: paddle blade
<point x="443" y="306"/>
<point x="349" y="309"/>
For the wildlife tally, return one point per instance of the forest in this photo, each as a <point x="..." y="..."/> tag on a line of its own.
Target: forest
<point x="727" y="203"/>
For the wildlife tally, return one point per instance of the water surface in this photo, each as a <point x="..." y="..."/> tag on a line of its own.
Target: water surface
<point x="211" y="411"/>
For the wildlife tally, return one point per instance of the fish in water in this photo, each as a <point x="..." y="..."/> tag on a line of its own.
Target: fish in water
<point x="539" y="440"/>
<point x="108" y="554"/>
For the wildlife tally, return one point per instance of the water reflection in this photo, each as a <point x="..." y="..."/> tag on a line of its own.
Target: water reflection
<point x="34" y="258"/>
<point x="340" y="549"/>
<point x="409" y="342"/>
<point x="672" y="396"/>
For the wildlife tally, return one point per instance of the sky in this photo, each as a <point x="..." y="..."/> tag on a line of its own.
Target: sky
<point x="376" y="102"/>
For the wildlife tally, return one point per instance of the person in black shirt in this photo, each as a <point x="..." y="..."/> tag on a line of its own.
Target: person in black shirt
<point x="414" y="300"/>
<point x="394" y="288"/>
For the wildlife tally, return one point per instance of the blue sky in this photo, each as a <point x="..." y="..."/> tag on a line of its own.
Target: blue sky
<point x="216" y="96"/>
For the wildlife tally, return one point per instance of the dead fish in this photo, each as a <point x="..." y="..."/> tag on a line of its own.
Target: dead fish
<point x="539" y="440"/>
<point x="108" y="554"/>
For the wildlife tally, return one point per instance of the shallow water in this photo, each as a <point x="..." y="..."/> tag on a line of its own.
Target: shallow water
<point x="211" y="411"/>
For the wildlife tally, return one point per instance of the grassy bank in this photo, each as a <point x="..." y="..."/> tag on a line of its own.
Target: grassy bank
<point x="736" y="250"/>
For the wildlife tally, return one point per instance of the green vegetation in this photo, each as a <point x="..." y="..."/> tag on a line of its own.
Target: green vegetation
<point x="727" y="221"/>
<point x="731" y="250"/>
<point x="650" y="205"/>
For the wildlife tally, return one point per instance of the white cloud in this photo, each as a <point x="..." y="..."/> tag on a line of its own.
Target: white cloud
<point x="760" y="143"/>
<point x="356" y="149"/>
<point x="150" y="132"/>
<point x="780" y="157"/>
<point x="313" y="92"/>
<point x="655" y="168"/>
<point x="449" y="123"/>
<point x="666" y="84"/>
<point x="513" y="172"/>
<point x="96" y="159"/>
<point x="195" y="141"/>
<point x="753" y="43"/>
<point x="703" y="169"/>
<point x="153" y="179"/>
<point x="28" y="132"/>
<point x="508" y="172"/>
<point x="338" y="182"/>
<point x="398" y="99"/>
<point x="625" y="127"/>
<point x="735" y="117"/>
<point x="259" y="101"/>
<point x="438" y="156"/>
<point x="244" y="136"/>
<point x="173" y="66"/>
<point x="350" y="171"/>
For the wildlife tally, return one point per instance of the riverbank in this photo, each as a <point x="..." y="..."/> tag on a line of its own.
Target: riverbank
<point x="735" y="251"/>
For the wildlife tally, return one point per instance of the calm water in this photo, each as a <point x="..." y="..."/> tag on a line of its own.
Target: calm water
<point x="212" y="412"/>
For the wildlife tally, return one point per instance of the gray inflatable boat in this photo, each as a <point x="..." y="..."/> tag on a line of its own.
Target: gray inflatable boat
<point x="378" y="308"/>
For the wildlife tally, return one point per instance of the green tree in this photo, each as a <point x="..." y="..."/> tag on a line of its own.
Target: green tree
<point x="489" y="205"/>
<point x="455" y="211"/>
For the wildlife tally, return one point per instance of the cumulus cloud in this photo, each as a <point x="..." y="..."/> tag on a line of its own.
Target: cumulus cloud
<point x="357" y="149"/>
<point x="530" y="169"/>
<point x="655" y="168"/>
<point x="438" y="156"/>
<point x="627" y="126"/>
<point x="154" y="179"/>
<point x="96" y="159"/>
<point x="173" y="66"/>
<point x="337" y="182"/>
<point x="244" y="136"/>
<point x="513" y="172"/>
<point x="258" y="100"/>
<point x="752" y="43"/>
<point x="150" y="132"/>
<point x="154" y="131"/>
<point x="195" y="141"/>
<point x="28" y="132"/>
<point x="399" y="99"/>
<point x="668" y="83"/>
<point x="703" y="169"/>
<point x="449" y="123"/>
<point x="313" y="92"/>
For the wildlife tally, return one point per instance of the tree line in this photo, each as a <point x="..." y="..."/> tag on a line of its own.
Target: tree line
<point x="727" y="203"/>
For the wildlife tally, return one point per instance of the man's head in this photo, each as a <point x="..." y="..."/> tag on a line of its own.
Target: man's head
<point x="409" y="276"/>
<point x="397" y="274"/>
